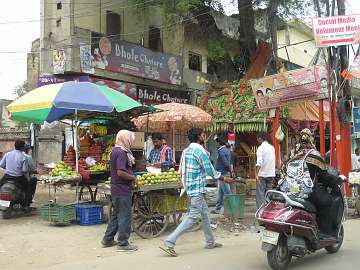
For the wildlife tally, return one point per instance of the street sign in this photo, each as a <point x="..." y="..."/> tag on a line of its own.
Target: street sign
<point x="335" y="31"/>
<point x="356" y="119"/>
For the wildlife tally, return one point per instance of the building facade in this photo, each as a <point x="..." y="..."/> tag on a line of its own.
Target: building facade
<point x="133" y="49"/>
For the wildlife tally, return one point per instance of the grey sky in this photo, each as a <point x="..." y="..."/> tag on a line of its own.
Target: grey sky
<point x="17" y="38"/>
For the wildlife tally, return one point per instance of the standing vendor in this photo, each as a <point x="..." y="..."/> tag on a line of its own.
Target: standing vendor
<point x="162" y="155"/>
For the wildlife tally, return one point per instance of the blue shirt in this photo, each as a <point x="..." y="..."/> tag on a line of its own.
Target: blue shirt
<point x="14" y="163"/>
<point x="224" y="160"/>
<point x="155" y="155"/>
<point x="197" y="167"/>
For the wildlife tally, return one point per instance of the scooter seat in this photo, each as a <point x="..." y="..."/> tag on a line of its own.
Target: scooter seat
<point x="307" y="204"/>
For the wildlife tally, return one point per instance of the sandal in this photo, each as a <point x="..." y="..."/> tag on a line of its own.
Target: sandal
<point x="169" y="250"/>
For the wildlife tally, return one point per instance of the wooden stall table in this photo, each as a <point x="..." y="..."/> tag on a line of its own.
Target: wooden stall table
<point x="57" y="182"/>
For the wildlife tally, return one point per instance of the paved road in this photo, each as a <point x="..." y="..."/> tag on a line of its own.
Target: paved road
<point x="239" y="252"/>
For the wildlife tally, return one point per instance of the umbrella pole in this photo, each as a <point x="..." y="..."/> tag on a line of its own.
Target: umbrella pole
<point x="173" y="138"/>
<point x="76" y="154"/>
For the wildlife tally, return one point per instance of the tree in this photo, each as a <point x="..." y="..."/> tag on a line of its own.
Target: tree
<point x="21" y="89"/>
<point x="284" y="9"/>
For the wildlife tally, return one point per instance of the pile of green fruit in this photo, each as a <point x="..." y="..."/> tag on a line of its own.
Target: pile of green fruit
<point x="61" y="169"/>
<point x="148" y="179"/>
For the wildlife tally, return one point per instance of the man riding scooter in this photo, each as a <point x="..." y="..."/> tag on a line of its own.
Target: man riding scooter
<point x="16" y="167"/>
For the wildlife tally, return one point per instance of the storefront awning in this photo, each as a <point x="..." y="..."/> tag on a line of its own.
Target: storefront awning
<point x="308" y="111"/>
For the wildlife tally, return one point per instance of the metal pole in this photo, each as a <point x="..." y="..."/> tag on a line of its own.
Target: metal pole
<point x="76" y="154"/>
<point x="345" y="128"/>
<point x="322" y="128"/>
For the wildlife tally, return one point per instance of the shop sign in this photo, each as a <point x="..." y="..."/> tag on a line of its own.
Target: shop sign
<point x="59" y="61"/>
<point x="119" y="56"/>
<point x="126" y="88"/>
<point x="147" y="95"/>
<point x="291" y="87"/>
<point x="356" y="119"/>
<point x="51" y="79"/>
<point x="335" y="31"/>
<point x="86" y="59"/>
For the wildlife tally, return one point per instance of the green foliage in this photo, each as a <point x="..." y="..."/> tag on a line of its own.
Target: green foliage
<point x="293" y="8"/>
<point x="216" y="51"/>
<point x="21" y="89"/>
<point x="176" y="7"/>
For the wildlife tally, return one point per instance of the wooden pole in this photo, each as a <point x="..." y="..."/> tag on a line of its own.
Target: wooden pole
<point x="322" y="128"/>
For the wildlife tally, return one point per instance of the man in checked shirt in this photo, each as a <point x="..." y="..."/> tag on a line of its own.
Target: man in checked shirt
<point x="162" y="155"/>
<point x="195" y="166"/>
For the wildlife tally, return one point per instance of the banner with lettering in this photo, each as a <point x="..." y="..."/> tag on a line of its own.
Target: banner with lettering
<point x="335" y="31"/>
<point x="292" y="86"/>
<point x="152" y="96"/>
<point x="119" y="56"/>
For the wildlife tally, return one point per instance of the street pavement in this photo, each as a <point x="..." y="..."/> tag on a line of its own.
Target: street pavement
<point x="239" y="252"/>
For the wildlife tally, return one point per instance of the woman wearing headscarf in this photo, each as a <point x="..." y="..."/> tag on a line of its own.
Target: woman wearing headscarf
<point x="322" y="180"/>
<point x="122" y="179"/>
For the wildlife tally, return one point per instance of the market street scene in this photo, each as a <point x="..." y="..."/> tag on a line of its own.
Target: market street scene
<point x="202" y="134"/>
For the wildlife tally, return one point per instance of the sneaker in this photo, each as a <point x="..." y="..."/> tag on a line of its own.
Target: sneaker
<point x="215" y="212"/>
<point x="215" y="245"/>
<point x="169" y="250"/>
<point x="106" y="244"/>
<point x="128" y="248"/>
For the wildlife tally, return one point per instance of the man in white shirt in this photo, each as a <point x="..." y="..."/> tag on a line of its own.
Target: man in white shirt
<point x="265" y="168"/>
<point x="355" y="160"/>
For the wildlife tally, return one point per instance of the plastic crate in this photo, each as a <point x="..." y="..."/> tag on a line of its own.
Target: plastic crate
<point x="89" y="214"/>
<point x="58" y="214"/>
<point x="166" y="203"/>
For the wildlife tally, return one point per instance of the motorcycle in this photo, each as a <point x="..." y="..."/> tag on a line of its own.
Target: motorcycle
<point x="289" y="228"/>
<point x="12" y="199"/>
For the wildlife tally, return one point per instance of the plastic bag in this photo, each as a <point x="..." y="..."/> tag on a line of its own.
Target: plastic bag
<point x="90" y="161"/>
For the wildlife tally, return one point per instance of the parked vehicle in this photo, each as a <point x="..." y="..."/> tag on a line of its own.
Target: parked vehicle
<point x="12" y="199"/>
<point x="289" y="228"/>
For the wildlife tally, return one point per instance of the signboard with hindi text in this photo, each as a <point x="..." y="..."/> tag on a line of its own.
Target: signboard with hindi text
<point x="290" y="87"/>
<point x="335" y="31"/>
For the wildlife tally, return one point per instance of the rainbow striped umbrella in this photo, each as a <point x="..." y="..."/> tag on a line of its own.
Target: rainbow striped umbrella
<point x="56" y="101"/>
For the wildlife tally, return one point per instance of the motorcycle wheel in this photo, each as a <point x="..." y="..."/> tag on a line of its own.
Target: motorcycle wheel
<point x="279" y="257"/>
<point x="6" y="214"/>
<point x="335" y="248"/>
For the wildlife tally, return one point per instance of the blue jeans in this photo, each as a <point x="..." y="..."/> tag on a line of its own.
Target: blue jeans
<point x="223" y="188"/>
<point x="120" y="220"/>
<point x="198" y="209"/>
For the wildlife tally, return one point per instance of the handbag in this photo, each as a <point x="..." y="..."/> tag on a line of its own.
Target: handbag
<point x="298" y="181"/>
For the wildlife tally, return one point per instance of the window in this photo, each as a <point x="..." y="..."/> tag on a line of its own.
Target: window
<point x="58" y="5"/>
<point x="58" y="22"/>
<point x="195" y="61"/>
<point x="113" y="23"/>
<point x="155" y="43"/>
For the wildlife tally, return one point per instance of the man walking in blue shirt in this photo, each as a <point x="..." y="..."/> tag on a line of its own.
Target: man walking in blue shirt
<point x="224" y="166"/>
<point x="195" y="166"/>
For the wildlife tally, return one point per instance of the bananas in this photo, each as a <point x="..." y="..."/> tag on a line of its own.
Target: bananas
<point x="98" y="130"/>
